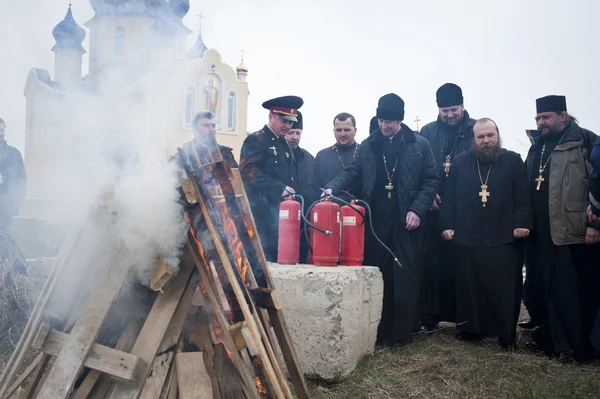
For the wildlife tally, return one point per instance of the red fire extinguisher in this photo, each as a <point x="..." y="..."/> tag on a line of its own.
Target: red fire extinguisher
<point x="352" y="250"/>
<point x="288" y="246"/>
<point x="325" y="247"/>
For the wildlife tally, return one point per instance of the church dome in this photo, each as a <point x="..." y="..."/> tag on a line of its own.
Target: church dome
<point x="198" y="49"/>
<point x="68" y="34"/>
<point x="242" y="68"/>
<point x="178" y="8"/>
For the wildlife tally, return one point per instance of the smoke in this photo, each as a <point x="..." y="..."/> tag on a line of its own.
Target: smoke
<point x="108" y="139"/>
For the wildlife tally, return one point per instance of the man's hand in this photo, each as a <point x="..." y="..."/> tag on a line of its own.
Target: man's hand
<point x="328" y="191"/>
<point x="288" y="190"/>
<point x="448" y="235"/>
<point x="592" y="236"/>
<point x="437" y="201"/>
<point x="521" y="233"/>
<point x="591" y="216"/>
<point x="412" y="221"/>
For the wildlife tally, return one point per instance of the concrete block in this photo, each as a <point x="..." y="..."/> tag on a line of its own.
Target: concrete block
<point x="332" y="315"/>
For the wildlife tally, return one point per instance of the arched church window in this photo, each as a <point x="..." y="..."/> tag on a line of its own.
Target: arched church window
<point x="190" y="100"/>
<point x="120" y="41"/>
<point x="232" y="114"/>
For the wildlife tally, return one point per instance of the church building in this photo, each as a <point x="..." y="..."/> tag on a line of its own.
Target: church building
<point x="143" y="84"/>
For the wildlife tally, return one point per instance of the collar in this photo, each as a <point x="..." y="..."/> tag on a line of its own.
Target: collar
<point x="270" y="133"/>
<point x="573" y="135"/>
<point x="463" y="127"/>
<point x="343" y="147"/>
<point x="409" y="135"/>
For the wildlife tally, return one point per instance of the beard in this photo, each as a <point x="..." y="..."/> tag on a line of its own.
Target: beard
<point x="488" y="153"/>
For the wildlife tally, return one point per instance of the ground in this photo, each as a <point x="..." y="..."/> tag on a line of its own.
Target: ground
<point x="438" y="366"/>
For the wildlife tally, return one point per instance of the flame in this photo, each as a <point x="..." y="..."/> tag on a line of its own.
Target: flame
<point x="235" y="243"/>
<point x="260" y="387"/>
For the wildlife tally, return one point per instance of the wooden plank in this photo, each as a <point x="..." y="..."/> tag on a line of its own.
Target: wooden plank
<point x="169" y="382"/>
<point x="275" y="313"/>
<point x="193" y="381"/>
<point x="154" y="329"/>
<point x="274" y="383"/>
<point x="69" y="362"/>
<point x="63" y="262"/>
<point x="30" y="369"/>
<point x="107" y="360"/>
<point x="174" y="387"/>
<point x="236" y="359"/>
<point x="162" y="362"/>
<point x="125" y="343"/>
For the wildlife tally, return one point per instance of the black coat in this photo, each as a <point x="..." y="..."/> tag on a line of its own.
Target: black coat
<point x="417" y="170"/>
<point x="437" y="135"/>
<point x="12" y="182"/>
<point x="306" y="163"/>
<point x="328" y="164"/>
<point x="267" y="166"/>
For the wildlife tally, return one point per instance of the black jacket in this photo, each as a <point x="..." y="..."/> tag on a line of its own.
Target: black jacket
<point x="437" y="135"/>
<point x="328" y="164"/>
<point x="417" y="172"/>
<point x="12" y="180"/>
<point x="306" y="163"/>
<point x="595" y="178"/>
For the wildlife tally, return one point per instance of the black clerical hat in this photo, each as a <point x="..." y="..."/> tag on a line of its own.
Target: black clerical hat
<point x="551" y="104"/>
<point x="286" y="107"/>
<point x="298" y="124"/>
<point x="449" y="95"/>
<point x="390" y="107"/>
<point x="373" y="125"/>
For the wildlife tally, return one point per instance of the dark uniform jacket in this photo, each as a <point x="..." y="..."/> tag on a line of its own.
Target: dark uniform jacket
<point x="267" y="166"/>
<point x="12" y="183"/>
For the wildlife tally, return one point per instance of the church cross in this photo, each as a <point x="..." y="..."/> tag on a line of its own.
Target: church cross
<point x="242" y="52"/>
<point x="539" y="181"/>
<point x="417" y="121"/>
<point x="200" y="18"/>
<point x="484" y="194"/>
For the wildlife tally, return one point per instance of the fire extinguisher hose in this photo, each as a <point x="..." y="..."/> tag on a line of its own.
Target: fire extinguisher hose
<point x="368" y="208"/>
<point x="306" y="221"/>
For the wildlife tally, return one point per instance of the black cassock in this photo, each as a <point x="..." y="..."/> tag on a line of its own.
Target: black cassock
<point x="489" y="259"/>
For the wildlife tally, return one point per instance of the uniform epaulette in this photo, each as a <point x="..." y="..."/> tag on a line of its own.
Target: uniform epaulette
<point x="258" y="133"/>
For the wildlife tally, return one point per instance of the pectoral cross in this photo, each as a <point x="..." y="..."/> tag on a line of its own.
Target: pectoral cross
<point x="447" y="165"/>
<point x="539" y="181"/>
<point x="389" y="187"/>
<point x="484" y="194"/>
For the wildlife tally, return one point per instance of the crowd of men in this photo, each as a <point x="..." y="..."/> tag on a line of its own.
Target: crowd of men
<point x="460" y="213"/>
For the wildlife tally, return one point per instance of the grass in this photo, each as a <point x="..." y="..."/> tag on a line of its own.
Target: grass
<point x="438" y="366"/>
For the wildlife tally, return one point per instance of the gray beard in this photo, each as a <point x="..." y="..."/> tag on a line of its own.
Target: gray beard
<point x="488" y="154"/>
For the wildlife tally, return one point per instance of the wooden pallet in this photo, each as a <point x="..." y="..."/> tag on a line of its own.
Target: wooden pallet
<point x="207" y="334"/>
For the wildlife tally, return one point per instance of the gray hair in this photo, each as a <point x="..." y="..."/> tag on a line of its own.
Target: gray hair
<point x="201" y="115"/>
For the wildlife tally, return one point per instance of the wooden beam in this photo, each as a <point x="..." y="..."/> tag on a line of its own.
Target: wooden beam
<point x="162" y="362"/>
<point x="236" y="359"/>
<point x="193" y="381"/>
<point x="154" y="329"/>
<point x="119" y="364"/>
<point x="125" y="343"/>
<point x="69" y="362"/>
<point x="24" y="375"/>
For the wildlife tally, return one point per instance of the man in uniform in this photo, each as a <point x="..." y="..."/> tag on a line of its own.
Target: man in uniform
<point x="12" y="181"/>
<point x="269" y="170"/>
<point x="486" y="209"/>
<point x="399" y="180"/>
<point x="450" y="135"/>
<point x="332" y="160"/>
<point x="562" y="296"/>
<point x="203" y="126"/>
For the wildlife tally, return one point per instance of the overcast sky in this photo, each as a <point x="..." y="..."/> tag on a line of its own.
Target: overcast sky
<point x="342" y="55"/>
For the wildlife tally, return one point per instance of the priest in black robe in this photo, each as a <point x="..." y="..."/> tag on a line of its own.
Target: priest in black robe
<point x="486" y="211"/>
<point x="398" y="177"/>
<point x="330" y="161"/>
<point x="561" y="287"/>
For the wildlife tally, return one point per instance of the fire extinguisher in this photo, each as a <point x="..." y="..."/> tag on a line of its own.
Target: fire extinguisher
<point x="325" y="247"/>
<point x="352" y="247"/>
<point x="288" y="246"/>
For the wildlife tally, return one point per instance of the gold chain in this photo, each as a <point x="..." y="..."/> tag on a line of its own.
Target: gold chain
<point x="488" y="174"/>
<point x="340" y="158"/>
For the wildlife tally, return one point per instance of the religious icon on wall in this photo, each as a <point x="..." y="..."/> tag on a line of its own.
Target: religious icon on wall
<point x="211" y="94"/>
